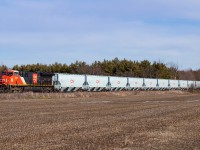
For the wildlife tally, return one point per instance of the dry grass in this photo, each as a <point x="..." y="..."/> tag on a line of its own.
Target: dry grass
<point x="32" y="95"/>
<point x="119" y="121"/>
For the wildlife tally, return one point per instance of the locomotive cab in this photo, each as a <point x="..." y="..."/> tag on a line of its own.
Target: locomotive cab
<point x="11" y="77"/>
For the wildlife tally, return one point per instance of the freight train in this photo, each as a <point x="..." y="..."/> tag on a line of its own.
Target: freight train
<point x="15" y="81"/>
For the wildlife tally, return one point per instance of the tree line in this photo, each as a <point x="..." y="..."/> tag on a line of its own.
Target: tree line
<point x="114" y="67"/>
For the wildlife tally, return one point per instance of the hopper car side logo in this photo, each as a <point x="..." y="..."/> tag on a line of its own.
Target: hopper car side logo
<point x="118" y="82"/>
<point x="97" y="81"/>
<point x="71" y="81"/>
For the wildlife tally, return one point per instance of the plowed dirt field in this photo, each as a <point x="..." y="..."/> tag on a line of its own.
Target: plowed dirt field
<point x="119" y="122"/>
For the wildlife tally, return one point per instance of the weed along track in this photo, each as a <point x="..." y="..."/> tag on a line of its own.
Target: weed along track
<point x="123" y="120"/>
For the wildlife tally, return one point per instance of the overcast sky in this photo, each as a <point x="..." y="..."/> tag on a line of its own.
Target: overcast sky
<point x="48" y="31"/>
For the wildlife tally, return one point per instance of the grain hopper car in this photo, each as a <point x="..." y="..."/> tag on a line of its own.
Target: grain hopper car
<point x="74" y="82"/>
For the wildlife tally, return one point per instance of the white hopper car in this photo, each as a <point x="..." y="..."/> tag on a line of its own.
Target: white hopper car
<point x="73" y="82"/>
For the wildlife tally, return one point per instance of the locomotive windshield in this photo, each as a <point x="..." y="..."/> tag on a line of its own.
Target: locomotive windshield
<point x="16" y="73"/>
<point x="3" y="73"/>
<point x="10" y="73"/>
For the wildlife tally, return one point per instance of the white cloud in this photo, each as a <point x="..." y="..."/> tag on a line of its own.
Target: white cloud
<point x="138" y="42"/>
<point x="88" y="30"/>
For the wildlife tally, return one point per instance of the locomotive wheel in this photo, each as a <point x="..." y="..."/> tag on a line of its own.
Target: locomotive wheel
<point x="4" y="89"/>
<point x="20" y="89"/>
<point x="47" y="90"/>
<point x="16" y="89"/>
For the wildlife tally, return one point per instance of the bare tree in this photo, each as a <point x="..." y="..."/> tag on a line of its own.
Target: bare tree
<point x="174" y="70"/>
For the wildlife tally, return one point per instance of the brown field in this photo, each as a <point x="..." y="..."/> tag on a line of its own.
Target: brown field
<point x="119" y="121"/>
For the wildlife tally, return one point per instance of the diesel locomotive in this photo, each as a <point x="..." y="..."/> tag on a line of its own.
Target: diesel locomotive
<point x="15" y="81"/>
